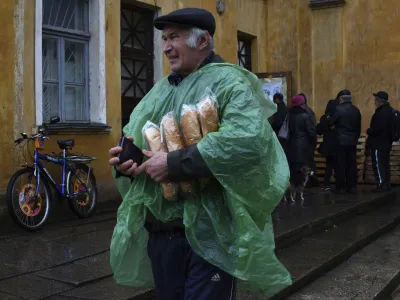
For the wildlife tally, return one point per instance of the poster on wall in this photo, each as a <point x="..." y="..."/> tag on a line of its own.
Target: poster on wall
<point x="271" y="88"/>
<point x="279" y="82"/>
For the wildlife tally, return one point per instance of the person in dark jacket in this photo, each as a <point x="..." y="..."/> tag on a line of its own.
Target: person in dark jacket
<point x="309" y="110"/>
<point x="302" y="135"/>
<point x="313" y="178"/>
<point x="327" y="147"/>
<point x="347" y="122"/>
<point x="279" y="117"/>
<point x="379" y="142"/>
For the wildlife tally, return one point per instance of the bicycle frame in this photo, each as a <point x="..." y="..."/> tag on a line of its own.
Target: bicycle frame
<point x="39" y="168"/>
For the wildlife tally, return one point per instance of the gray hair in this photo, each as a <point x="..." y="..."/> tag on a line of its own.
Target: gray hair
<point x="197" y="33"/>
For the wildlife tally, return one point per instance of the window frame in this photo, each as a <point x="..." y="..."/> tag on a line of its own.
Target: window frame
<point x="63" y="35"/>
<point x="61" y="39"/>
<point x="246" y="59"/>
<point x="96" y="79"/>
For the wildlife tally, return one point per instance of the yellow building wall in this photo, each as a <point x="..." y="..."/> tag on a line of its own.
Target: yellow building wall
<point x="252" y="20"/>
<point x="7" y="107"/>
<point x="353" y="47"/>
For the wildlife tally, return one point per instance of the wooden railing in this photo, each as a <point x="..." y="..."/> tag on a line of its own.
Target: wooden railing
<point x="364" y="164"/>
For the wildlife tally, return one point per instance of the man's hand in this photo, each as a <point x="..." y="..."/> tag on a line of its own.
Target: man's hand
<point x="128" y="167"/>
<point x="156" y="167"/>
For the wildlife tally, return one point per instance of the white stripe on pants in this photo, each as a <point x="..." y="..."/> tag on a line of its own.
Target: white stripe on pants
<point x="377" y="167"/>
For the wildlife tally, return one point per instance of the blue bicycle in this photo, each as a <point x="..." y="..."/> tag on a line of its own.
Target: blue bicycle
<point x="29" y="196"/>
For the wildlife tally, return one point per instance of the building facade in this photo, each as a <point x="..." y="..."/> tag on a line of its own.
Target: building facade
<point x="91" y="61"/>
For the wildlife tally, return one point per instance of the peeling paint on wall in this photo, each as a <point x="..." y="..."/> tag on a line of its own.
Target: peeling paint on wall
<point x="18" y="75"/>
<point x="19" y="68"/>
<point x="97" y="71"/>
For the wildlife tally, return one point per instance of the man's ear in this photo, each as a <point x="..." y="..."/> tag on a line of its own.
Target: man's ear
<point x="204" y="41"/>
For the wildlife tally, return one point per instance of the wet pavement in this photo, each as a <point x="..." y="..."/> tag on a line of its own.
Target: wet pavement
<point x="361" y="277"/>
<point x="319" y="206"/>
<point x="69" y="258"/>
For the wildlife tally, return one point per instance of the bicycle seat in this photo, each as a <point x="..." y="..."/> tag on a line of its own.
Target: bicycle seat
<point x="64" y="144"/>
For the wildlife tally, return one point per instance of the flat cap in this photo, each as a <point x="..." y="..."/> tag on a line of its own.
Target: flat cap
<point x="382" y="95"/>
<point x="195" y="17"/>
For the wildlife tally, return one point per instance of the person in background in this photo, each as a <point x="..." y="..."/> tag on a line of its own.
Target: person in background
<point x="302" y="134"/>
<point x="279" y="117"/>
<point x="379" y="142"/>
<point x="327" y="147"/>
<point x="347" y="122"/>
<point x="313" y="176"/>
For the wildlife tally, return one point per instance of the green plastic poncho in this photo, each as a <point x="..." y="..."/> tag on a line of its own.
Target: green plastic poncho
<point x="229" y="222"/>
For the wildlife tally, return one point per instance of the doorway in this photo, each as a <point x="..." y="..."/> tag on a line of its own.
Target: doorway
<point x="137" y="57"/>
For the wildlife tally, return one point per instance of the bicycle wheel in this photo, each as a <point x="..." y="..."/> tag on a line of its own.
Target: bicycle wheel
<point x="28" y="211"/>
<point x="78" y="181"/>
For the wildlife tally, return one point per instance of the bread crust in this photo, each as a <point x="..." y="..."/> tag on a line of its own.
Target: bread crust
<point x="208" y="113"/>
<point x="171" y="133"/>
<point x="190" y="125"/>
<point x="153" y="139"/>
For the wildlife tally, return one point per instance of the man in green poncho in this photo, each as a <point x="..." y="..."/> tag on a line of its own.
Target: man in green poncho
<point x="198" y="246"/>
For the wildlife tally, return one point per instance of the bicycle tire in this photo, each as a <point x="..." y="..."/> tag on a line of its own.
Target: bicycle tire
<point x="72" y="202"/>
<point x="9" y="199"/>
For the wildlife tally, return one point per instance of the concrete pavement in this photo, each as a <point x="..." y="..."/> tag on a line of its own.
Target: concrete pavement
<point x="69" y="259"/>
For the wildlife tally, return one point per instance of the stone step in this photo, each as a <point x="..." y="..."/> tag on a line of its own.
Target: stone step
<point x="322" y="217"/>
<point x="372" y="273"/>
<point x="312" y="257"/>
<point x="322" y="211"/>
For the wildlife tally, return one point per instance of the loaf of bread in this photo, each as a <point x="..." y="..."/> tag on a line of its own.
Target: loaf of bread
<point x="190" y="125"/>
<point x="209" y="120"/>
<point x="173" y="139"/>
<point x="170" y="191"/>
<point x="171" y="133"/>
<point x="208" y="113"/>
<point x="152" y="137"/>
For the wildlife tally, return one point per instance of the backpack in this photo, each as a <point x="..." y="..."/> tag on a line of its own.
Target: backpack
<point x="395" y="125"/>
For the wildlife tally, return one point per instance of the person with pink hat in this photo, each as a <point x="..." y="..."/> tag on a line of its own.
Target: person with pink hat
<point x="302" y="135"/>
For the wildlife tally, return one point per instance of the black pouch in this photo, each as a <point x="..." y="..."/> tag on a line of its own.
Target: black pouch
<point x="130" y="151"/>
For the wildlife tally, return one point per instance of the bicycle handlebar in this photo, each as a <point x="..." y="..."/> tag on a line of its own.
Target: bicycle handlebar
<point x="41" y="134"/>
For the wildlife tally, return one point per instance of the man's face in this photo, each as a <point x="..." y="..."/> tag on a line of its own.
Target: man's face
<point x="182" y="59"/>
<point x="376" y="102"/>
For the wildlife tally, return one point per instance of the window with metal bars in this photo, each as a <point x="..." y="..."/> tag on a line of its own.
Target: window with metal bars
<point x="244" y="53"/>
<point x="65" y="60"/>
